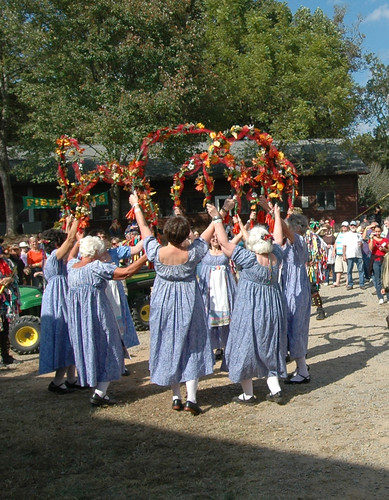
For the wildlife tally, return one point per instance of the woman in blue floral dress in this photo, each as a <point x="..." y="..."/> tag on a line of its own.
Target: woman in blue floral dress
<point x="180" y="347"/>
<point x="55" y="351"/>
<point x="94" y="333"/>
<point x="256" y="345"/>
<point x="218" y="286"/>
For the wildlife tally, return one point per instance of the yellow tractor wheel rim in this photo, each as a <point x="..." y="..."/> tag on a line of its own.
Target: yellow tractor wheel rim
<point x="27" y="336"/>
<point x="144" y="313"/>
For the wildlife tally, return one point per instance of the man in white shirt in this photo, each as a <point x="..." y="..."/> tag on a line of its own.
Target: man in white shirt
<point x="352" y="254"/>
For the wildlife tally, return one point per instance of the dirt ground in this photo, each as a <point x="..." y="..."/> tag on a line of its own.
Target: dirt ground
<point x="331" y="439"/>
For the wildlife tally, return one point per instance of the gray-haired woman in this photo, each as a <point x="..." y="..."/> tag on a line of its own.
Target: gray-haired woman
<point x="94" y="332"/>
<point x="256" y="345"/>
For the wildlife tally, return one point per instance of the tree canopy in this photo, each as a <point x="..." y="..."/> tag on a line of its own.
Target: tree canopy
<point x="111" y="71"/>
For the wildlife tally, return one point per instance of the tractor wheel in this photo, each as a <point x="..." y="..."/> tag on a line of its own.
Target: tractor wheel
<point x="24" y="335"/>
<point x="140" y="312"/>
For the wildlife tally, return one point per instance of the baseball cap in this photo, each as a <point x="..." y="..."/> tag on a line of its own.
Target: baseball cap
<point x="345" y="223"/>
<point x="23" y="244"/>
<point x="132" y="228"/>
<point x="353" y="223"/>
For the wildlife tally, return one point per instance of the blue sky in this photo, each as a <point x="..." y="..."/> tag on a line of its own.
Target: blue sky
<point x="374" y="25"/>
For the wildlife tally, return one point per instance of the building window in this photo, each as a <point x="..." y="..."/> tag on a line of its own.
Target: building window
<point x="325" y="200"/>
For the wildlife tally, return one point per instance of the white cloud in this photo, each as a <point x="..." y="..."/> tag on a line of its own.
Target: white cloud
<point x="379" y="14"/>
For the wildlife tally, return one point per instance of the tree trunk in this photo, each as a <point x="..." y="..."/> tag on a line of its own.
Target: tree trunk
<point x="115" y="197"/>
<point x="10" y="216"/>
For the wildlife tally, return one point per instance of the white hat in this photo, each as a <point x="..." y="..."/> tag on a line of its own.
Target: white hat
<point x="353" y="223"/>
<point x="23" y="244"/>
<point x="345" y="223"/>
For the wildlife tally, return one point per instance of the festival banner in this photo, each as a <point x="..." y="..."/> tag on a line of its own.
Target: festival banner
<point x="39" y="203"/>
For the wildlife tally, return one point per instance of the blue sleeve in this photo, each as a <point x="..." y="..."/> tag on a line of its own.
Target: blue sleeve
<point x="200" y="248"/>
<point x="243" y="257"/>
<point x="104" y="269"/>
<point x="151" y="246"/>
<point x="123" y="251"/>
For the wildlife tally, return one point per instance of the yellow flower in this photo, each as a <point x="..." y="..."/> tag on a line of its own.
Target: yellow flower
<point x="200" y="125"/>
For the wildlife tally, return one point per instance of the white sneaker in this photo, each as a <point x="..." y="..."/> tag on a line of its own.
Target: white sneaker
<point x="381" y="301"/>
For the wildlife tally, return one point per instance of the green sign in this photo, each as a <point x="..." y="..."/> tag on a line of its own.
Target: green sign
<point x="37" y="203"/>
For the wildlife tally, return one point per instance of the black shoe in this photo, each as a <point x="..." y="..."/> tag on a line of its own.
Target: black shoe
<point x="276" y="398"/>
<point x="59" y="389"/>
<point x="97" y="400"/>
<point x="126" y="372"/>
<point x="304" y="380"/>
<point x="218" y="354"/>
<point x="249" y="402"/>
<point x="194" y="408"/>
<point x="177" y="405"/>
<point x="349" y="287"/>
<point x="76" y="386"/>
<point x="9" y="360"/>
<point x="320" y="313"/>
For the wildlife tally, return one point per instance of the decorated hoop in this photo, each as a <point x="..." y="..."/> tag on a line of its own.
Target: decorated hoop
<point x="270" y="172"/>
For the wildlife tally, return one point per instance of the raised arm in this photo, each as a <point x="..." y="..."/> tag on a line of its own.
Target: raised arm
<point x="121" y="273"/>
<point x="220" y="232"/>
<point x="67" y="245"/>
<point x="140" y="218"/>
<point x="286" y="231"/>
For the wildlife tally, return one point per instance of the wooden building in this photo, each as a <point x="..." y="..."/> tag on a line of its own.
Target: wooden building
<point x="328" y="187"/>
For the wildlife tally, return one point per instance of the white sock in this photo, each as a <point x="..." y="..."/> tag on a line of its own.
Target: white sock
<point x="191" y="390"/>
<point x="176" y="388"/>
<point x="247" y="386"/>
<point x="273" y="384"/>
<point x="101" y="389"/>
<point x="302" y="368"/>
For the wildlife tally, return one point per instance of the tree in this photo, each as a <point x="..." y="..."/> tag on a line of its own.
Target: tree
<point x="12" y="114"/>
<point x="289" y="75"/>
<point x="374" y="147"/>
<point x="110" y="72"/>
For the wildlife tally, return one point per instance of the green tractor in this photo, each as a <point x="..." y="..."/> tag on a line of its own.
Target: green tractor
<point x="24" y="333"/>
<point x="138" y="296"/>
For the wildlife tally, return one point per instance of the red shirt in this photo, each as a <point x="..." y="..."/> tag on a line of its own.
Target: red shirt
<point x="377" y="253"/>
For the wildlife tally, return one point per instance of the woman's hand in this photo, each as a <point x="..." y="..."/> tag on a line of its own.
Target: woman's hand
<point x="264" y="203"/>
<point x="133" y="199"/>
<point x="212" y="211"/>
<point x="228" y="205"/>
<point x="6" y="281"/>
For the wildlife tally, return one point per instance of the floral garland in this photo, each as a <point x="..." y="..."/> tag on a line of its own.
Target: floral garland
<point x="73" y="198"/>
<point x="270" y="172"/>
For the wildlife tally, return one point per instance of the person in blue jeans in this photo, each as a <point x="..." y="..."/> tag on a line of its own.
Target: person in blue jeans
<point x="352" y="254"/>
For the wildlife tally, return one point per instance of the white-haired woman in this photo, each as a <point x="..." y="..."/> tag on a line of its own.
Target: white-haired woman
<point x="256" y="345"/>
<point x="94" y="332"/>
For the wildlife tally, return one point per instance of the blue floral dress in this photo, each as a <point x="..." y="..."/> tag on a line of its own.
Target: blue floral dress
<point x="219" y="323"/>
<point x="256" y="345"/>
<point x="180" y="348"/>
<point x="55" y="349"/>
<point x="94" y="332"/>
<point x="124" y="319"/>
<point x="297" y="292"/>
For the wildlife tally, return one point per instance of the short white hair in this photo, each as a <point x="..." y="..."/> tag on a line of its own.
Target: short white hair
<point x="259" y="240"/>
<point x="91" y="246"/>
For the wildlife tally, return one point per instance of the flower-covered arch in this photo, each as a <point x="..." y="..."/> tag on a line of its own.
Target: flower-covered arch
<point x="269" y="172"/>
